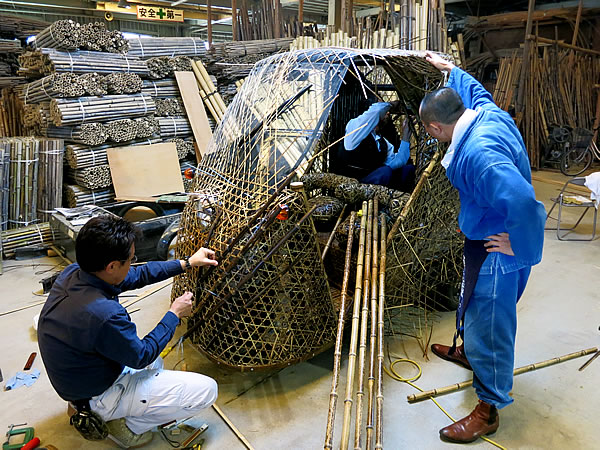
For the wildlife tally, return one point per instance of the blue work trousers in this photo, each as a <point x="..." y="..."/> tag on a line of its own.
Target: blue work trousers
<point x="490" y="330"/>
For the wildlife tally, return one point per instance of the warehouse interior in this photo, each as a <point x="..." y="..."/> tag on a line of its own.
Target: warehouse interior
<point x="221" y="124"/>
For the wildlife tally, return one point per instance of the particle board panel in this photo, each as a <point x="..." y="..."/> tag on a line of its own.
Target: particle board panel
<point x="194" y="108"/>
<point x="145" y="170"/>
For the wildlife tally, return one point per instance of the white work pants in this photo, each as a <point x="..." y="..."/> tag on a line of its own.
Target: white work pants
<point x="153" y="396"/>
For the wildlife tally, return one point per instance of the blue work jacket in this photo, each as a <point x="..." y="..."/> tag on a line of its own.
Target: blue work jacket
<point x="86" y="337"/>
<point x="491" y="171"/>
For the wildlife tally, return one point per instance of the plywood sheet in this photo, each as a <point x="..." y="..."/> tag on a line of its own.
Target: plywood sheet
<point x="145" y="170"/>
<point x="194" y="108"/>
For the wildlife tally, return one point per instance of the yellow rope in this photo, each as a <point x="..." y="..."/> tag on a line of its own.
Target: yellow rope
<point x="393" y="374"/>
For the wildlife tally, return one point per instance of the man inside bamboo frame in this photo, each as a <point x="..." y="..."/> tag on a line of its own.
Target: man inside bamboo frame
<point x="90" y="347"/>
<point x="503" y="225"/>
<point x="374" y="153"/>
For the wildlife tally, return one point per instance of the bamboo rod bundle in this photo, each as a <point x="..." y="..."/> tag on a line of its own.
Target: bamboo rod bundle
<point x="70" y="35"/>
<point x="227" y="50"/>
<point x="508" y="81"/>
<point x="184" y="146"/>
<point x="210" y="91"/>
<point x="36" y="117"/>
<point x="81" y="156"/>
<point x="124" y="83"/>
<point x="373" y="337"/>
<point x="414" y="398"/>
<point x="337" y="354"/>
<point x="380" y="337"/>
<point x="50" y="177"/>
<point x="161" y="88"/>
<point x="93" y="177"/>
<point x="166" y="66"/>
<point x="11" y="113"/>
<point x="24" y="159"/>
<point x="79" y="196"/>
<point x="174" y="127"/>
<point x="10" y="46"/>
<point x="166" y="46"/>
<point x="362" y="348"/>
<point x="36" y="234"/>
<point x="55" y="85"/>
<point x="360" y="262"/>
<point x="130" y="129"/>
<point x="88" y="133"/>
<point x="47" y="60"/>
<point x="93" y="84"/>
<point x="166" y="107"/>
<point x="4" y="184"/>
<point x="92" y="109"/>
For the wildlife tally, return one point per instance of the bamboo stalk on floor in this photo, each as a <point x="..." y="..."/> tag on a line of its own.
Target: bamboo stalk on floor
<point x="36" y="234"/>
<point x="337" y="354"/>
<point x="373" y="337"/>
<point x="380" y="338"/>
<point x="355" y="326"/>
<point x="524" y="369"/>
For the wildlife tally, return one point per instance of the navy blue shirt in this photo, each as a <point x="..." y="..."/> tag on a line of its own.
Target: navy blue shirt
<point x="86" y="337"/>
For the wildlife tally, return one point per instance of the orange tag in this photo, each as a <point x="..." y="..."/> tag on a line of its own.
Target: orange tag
<point x="284" y="214"/>
<point x="188" y="174"/>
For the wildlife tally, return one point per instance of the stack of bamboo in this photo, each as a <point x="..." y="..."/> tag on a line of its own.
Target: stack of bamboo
<point x="166" y="107"/>
<point x="164" y="88"/>
<point x="166" y="46"/>
<point x="23" y="186"/>
<point x="79" y="196"/>
<point x="4" y="185"/>
<point x="93" y="177"/>
<point x="208" y="91"/>
<point x="36" y="234"/>
<point x="50" y="177"/>
<point x="70" y="35"/>
<point x="48" y="60"/>
<point x="80" y="156"/>
<point x="11" y="113"/>
<point x="166" y="66"/>
<point x="174" y="127"/>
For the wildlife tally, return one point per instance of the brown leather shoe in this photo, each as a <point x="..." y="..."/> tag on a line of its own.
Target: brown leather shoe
<point x="483" y="420"/>
<point x="457" y="357"/>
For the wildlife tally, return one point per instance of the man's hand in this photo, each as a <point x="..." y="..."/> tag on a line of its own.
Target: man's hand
<point x="182" y="306"/>
<point x="438" y="62"/>
<point x="406" y="131"/>
<point x="203" y="257"/>
<point x="395" y="106"/>
<point x="499" y="243"/>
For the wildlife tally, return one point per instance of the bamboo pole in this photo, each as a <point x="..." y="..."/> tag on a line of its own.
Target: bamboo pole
<point x="380" y="337"/>
<point x="355" y="325"/>
<point x="232" y="427"/>
<point x="373" y="337"/>
<point x="337" y="354"/>
<point x="524" y="369"/>
<point x="332" y="235"/>
<point x="362" y="349"/>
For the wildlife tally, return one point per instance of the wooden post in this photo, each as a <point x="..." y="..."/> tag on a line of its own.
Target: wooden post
<point x="525" y="67"/>
<point x="234" y="20"/>
<point x="577" y="20"/>
<point x="209" y="22"/>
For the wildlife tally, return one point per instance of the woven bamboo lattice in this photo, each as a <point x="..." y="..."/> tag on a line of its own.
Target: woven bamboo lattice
<point x="268" y="303"/>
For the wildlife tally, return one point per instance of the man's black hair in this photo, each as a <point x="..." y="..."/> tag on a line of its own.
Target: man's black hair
<point x="104" y="239"/>
<point x="442" y="105"/>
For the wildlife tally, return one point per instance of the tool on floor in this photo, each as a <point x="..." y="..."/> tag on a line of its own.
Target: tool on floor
<point x="197" y="432"/>
<point x="13" y="431"/>
<point x="34" y="443"/>
<point x="29" y="362"/>
<point x="196" y="446"/>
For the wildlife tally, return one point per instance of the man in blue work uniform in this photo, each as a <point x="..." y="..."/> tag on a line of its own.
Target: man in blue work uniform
<point x="90" y="347"/>
<point x="372" y="151"/>
<point x="504" y="228"/>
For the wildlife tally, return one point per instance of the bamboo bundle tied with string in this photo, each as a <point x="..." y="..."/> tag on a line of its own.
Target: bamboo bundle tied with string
<point x="35" y="234"/>
<point x="79" y="196"/>
<point x="11" y="114"/>
<point x="93" y="177"/>
<point x="50" y="177"/>
<point x="4" y="184"/>
<point x="23" y="186"/>
<point x="79" y="156"/>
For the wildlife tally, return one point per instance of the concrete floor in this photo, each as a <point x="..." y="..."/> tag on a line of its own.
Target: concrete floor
<point x="554" y="408"/>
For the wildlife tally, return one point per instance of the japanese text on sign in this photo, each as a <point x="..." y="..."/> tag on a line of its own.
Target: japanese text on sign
<point x="158" y="13"/>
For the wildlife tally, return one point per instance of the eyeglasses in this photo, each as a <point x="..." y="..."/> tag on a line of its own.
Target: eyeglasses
<point x="131" y="261"/>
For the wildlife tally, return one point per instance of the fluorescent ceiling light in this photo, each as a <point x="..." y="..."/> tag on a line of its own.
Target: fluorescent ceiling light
<point x="123" y="4"/>
<point x="178" y="2"/>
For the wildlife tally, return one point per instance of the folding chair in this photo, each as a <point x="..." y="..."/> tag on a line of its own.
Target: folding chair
<point x="560" y="201"/>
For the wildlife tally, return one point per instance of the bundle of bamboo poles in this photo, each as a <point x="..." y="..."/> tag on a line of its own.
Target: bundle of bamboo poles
<point x="36" y="116"/>
<point x="161" y="88"/>
<point x="166" y="46"/>
<point x="174" y="127"/>
<point x="228" y="50"/>
<point x="82" y="156"/>
<point x="169" y="107"/>
<point x="79" y="196"/>
<point x="23" y="186"/>
<point x="507" y="83"/>
<point x="124" y="83"/>
<point x="88" y="133"/>
<point x="10" y="45"/>
<point x="11" y="113"/>
<point x="47" y="60"/>
<point x="93" y="177"/>
<point x="50" y="177"/>
<point x="166" y="66"/>
<point x="367" y="337"/>
<point x="184" y="146"/>
<point x="92" y="109"/>
<point x="130" y="129"/>
<point x="70" y="35"/>
<point x="36" y="234"/>
<point x="4" y="184"/>
<point x="208" y="91"/>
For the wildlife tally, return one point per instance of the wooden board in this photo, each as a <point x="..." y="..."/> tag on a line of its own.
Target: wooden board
<point x="194" y="108"/>
<point x="145" y="170"/>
